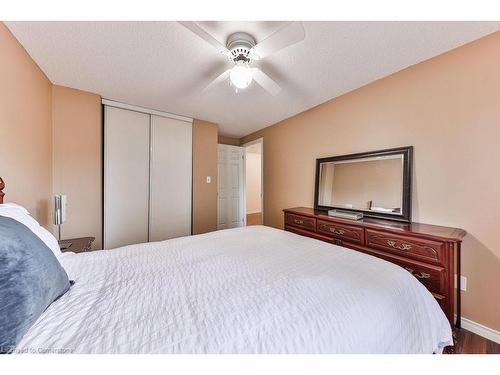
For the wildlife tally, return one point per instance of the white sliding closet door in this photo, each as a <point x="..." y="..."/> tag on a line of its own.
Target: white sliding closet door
<point x="126" y="177"/>
<point x="171" y="176"/>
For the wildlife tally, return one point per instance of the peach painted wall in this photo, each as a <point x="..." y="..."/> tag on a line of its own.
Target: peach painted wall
<point x="77" y="163"/>
<point x="204" y="164"/>
<point x="228" y="141"/>
<point x="25" y="129"/>
<point x="50" y="142"/>
<point x="253" y="181"/>
<point x="448" y="107"/>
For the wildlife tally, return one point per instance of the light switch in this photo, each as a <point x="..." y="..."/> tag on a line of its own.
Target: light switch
<point x="209" y="179"/>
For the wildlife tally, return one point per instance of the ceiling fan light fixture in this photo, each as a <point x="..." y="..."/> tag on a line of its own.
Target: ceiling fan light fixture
<point x="241" y="75"/>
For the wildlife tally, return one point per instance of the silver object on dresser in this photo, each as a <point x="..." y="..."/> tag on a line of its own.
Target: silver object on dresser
<point x="346" y="214"/>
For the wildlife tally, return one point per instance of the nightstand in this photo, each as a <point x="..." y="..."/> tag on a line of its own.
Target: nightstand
<point x="76" y="245"/>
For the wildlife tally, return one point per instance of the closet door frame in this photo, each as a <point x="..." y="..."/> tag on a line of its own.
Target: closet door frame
<point x="111" y="103"/>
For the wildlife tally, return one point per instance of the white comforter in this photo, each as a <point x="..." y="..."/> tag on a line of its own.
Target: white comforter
<point x="245" y="290"/>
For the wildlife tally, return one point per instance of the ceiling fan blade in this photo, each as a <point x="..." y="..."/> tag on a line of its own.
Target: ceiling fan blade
<point x="290" y="34"/>
<point x="195" y="28"/>
<point x="219" y="79"/>
<point x="266" y="82"/>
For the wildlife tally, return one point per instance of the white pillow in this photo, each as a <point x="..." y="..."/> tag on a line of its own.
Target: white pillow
<point x="22" y="215"/>
<point x="13" y="206"/>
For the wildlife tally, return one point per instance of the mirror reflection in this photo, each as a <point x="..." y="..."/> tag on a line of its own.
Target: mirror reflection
<point x="369" y="184"/>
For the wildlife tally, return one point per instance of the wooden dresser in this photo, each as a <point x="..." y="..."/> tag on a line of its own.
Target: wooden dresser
<point x="431" y="253"/>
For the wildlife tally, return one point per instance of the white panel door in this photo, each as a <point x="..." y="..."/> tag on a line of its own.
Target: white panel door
<point x="171" y="178"/>
<point x="126" y="177"/>
<point x="231" y="187"/>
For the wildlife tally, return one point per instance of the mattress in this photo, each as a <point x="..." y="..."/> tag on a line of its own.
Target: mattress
<point x="245" y="290"/>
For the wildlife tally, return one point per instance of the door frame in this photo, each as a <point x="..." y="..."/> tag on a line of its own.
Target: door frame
<point x="245" y="145"/>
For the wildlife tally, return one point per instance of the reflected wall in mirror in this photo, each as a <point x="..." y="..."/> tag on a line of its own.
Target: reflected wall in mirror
<point x="364" y="184"/>
<point x="375" y="183"/>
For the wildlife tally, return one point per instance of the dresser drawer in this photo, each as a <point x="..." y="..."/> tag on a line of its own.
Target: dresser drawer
<point x="433" y="277"/>
<point x="304" y="222"/>
<point x="341" y="231"/>
<point x="443" y="302"/>
<point x="421" y="249"/>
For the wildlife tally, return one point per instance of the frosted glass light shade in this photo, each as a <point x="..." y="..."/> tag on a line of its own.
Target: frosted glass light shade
<point x="241" y="76"/>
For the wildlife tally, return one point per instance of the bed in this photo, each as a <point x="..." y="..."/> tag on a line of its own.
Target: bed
<point x="245" y="290"/>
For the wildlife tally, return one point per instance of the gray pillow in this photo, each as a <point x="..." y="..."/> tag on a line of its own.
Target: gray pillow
<point x="31" y="278"/>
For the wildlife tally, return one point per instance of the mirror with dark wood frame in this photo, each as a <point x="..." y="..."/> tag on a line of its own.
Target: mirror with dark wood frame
<point x="376" y="183"/>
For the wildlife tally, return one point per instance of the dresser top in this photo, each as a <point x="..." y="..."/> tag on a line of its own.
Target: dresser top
<point x="436" y="231"/>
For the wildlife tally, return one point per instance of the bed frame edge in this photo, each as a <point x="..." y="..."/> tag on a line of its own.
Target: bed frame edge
<point x="2" y="186"/>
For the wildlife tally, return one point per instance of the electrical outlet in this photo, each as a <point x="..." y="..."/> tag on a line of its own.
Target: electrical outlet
<point x="463" y="283"/>
<point x="209" y="179"/>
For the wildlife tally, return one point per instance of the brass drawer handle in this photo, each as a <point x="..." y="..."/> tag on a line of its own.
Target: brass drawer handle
<point x="394" y="245"/>
<point x="421" y="275"/>
<point x="335" y="231"/>
<point x="296" y="221"/>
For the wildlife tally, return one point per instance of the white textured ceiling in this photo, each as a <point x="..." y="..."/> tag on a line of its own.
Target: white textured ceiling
<point x="162" y="65"/>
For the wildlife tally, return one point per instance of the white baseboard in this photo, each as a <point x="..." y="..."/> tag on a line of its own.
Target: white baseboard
<point x="254" y="212"/>
<point x="481" y="330"/>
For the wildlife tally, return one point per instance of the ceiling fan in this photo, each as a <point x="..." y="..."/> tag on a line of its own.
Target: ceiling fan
<point x="242" y="49"/>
